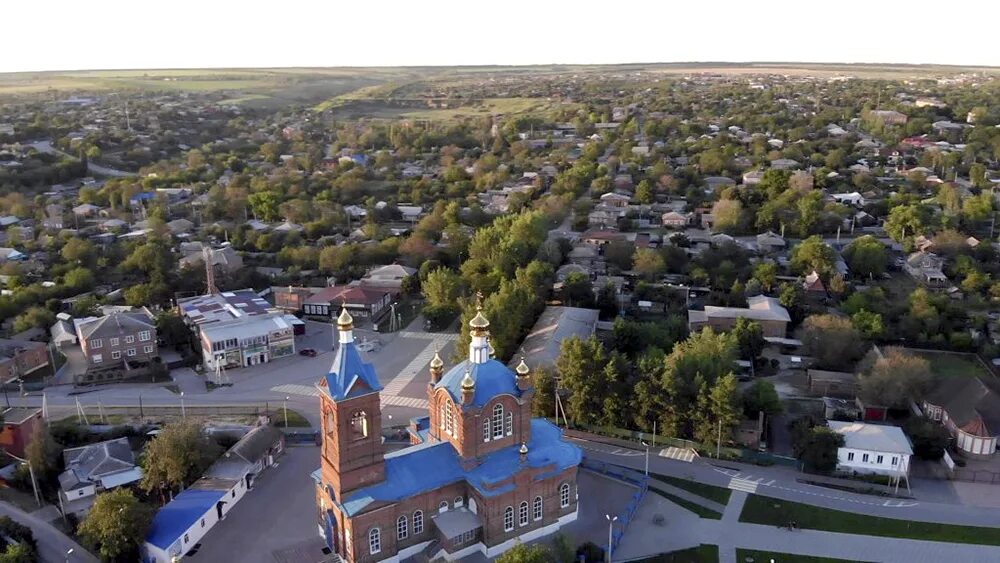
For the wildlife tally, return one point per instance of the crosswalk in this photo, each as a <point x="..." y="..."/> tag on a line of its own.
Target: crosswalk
<point x="680" y="454"/>
<point x="744" y="485"/>
<point x="445" y="337"/>
<point x="296" y="389"/>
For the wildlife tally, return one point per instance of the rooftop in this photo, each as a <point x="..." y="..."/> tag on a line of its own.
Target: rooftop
<point x="541" y="345"/>
<point x="872" y="437"/>
<point x="491" y="378"/>
<point x="180" y="514"/>
<point x="224" y="306"/>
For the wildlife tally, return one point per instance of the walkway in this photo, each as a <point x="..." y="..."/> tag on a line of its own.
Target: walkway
<point x="52" y="544"/>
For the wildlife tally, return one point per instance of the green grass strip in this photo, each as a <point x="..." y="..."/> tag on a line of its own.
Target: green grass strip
<point x="688" y="505"/>
<point x="711" y="492"/>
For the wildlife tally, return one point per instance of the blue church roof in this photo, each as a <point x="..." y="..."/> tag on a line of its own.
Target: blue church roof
<point x="492" y="378"/>
<point x="350" y="376"/>
<point x="432" y="465"/>
<point x="177" y="517"/>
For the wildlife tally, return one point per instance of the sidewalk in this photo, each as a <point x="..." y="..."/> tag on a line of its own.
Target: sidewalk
<point x="52" y="544"/>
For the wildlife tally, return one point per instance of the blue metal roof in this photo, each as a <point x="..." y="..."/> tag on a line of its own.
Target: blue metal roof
<point x="492" y="378"/>
<point x="177" y="517"/>
<point x="432" y="465"/>
<point x="347" y="371"/>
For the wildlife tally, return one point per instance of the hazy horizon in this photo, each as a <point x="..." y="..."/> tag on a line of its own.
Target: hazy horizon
<point x="185" y="34"/>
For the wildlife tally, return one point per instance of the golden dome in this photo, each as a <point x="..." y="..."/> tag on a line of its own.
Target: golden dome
<point x="522" y="368"/>
<point x="345" y="320"/>
<point x="479" y="321"/>
<point x="437" y="362"/>
<point x="468" y="382"/>
<point x="524" y="448"/>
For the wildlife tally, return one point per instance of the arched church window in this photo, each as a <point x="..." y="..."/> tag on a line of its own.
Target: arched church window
<point x="359" y="425"/>
<point x="498" y="421"/>
<point x="510" y="423"/>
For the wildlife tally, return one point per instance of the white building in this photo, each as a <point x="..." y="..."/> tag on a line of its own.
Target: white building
<point x="872" y="449"/>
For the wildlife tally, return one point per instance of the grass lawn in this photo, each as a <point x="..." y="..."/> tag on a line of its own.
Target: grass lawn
<point x="765" y="510"/>
<point x="748" y="555"/>
<point x="945" y="365"/>
<point x="711" y="492"/>
<point x="704" y="553"/>
<point x="688" y="505"/>
<point x="295" y="420"/>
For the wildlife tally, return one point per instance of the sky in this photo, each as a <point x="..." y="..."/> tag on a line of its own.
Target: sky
<point x="119" y="34"/>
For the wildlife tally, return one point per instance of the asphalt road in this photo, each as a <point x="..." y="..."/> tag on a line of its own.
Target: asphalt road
<point x="53" y="545"/>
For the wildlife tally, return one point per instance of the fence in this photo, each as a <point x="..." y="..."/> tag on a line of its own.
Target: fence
<point x="975" y="476"/>
<point x="736" y="454"/>
<point x="639" y="480"/>
<point x="95" y="411"/>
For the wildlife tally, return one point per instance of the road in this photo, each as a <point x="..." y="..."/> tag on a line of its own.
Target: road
<point x="45" y="146"/>
<point x="53" y="545"/>
<point x="782" y="483"/>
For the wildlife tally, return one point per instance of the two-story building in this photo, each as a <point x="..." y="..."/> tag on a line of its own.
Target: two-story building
<point x="19" y="358"/>
<point x="116" y="343"/>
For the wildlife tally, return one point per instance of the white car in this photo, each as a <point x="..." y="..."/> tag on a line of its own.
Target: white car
<point x="368" y="346"/>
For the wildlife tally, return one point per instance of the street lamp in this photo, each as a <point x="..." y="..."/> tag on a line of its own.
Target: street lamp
<point x="31" y="472"/>
<point x="68" y="553"/>
<point x="285" y="407"/>
<point x="611" y="527"/>
<point x="183" y="412"/>
<point x="647" y="458"/>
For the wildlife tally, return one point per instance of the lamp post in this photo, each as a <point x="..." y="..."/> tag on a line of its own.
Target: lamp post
<point x="285" y="408"/>
<point x="611" y="527"/>
<point x="31" y="472"/>
<point x="646" y="470"/>
<point x="68" y="553"/>
<point x="183" y="411"/>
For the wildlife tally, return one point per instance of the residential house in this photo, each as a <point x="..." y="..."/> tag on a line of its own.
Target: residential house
<point x="598" y="239"/>
<point x="225" y="259"/>
<point x="853" y="198"/>
<point x="292" y="298"/>
<point x="784" y="164"/>
<point x="969" y="407"/>
<point x="674" y="220"/>
<point x="813" y="284"/>
<point x="832" y="383"/>
<point x="238" y="329"/>
<point x="717" y="182"/>
<point x="770" y="242"/>
<point x="753" y="177"/>
<point x="926" y="268"/>
<point x="86" y="210"/>
<point x="360" y="301"/>
<point x="185" y="520"/>
<point x="540" y="347"/>
<point x="11" y="255"/>
<point x="19" y="358"/>
<point x="19" y="425"/>
<point x="889" y="117"/>
<point x="98" y="467"/>
<point x="118" y="341"/>
<point x="180" y="226"/>
<point x="872" y="449"/>
<point x="389" y="278"/>
<point x="767" y="311"/>
<point x="613" y="199"/>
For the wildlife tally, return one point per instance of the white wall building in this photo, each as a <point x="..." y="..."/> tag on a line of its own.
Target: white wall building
<point x="872" y="449"/>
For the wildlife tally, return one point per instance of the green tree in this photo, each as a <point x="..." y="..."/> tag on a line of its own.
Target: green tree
<point x="520" y="553"/>
<point x="749" y="337"/>
<point x="833" y="341"/>
<point x="264" y="205"/>
<point x="814" y="255"/>
<point x="866" y="256"/>
<point x="728" y="214"/>
<point x="767" y="274"/>
<point x="906" y="221"/>
<point x="79" y="251"/>
<point x="543" y="403"/>
<point x="895" y="379"/>
<point x="978" y="208"/>
<point x="575" y="366"/>
<point x="176" y="457"/>
<point x="816" y="447"/>
<point x="441" y="288"/>
<point x="619" y="254"/>
<point x="79" y="279"/>
<point x="578" y="290"/>
<point x="34" y="317"/>
<point x="42" y="452"/>
<point x="761" y="397"/>
<point x="719" y="411"/>
<point x="648" y="263"/>
<point x="116" y="525"/>
<point x="869" y="324"/>
<point x="644" y="192"/>
<point x="929" y="438"/>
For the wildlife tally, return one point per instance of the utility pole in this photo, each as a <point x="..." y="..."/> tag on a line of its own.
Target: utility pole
<point x="31" y="472"/>
<point x="718" y="444"/>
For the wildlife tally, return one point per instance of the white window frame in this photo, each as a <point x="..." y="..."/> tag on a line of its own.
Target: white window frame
<point x="895" y="461"/>
<point x="879" y="458"/>
<point x="564" y="495"/>
<point x="449" y="418"/>
<point x="487" y="435"/>
<point x="116" y="354"/>
<point x="498" y="421"/>
<point x="129" y="339"/>
<point x="443" y="506"/>
<point x="536" y="509"/>
<point x="97" y="358"/>
<point x="374" y="541"/>
<point x="850" y="456"/>
<point x="459" y="502"/>
<point x="508" y="519"/>
<point x="130" y="352"/>
<point x="114" y="341"/>
<point x="144" y="335"/>
<point x="147" y="349"/>
<point x="96" y="343"/>
<point x="418" y="522"/>
<point x="510" y="423"/>
<point x="522" y="513"/>
<point x="402" y="529"/>
<point x="864" y="458"/>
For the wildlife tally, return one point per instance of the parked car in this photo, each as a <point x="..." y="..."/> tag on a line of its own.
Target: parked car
<point x="308" y="352"/>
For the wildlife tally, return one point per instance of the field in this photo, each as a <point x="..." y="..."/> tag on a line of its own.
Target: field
<point x="702" y="554"/>
<point x="765" y="510"/>
<point x="766" y="556"/>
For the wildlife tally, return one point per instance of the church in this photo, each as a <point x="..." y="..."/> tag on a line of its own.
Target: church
<point x="479" y="475"/>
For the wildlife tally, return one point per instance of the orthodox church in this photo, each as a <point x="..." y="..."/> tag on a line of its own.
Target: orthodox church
<point x="479" y="475"/>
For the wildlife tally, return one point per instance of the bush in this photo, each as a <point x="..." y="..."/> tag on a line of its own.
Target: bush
<point x="439" y="316"/>
<point x="929" y="438"/>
